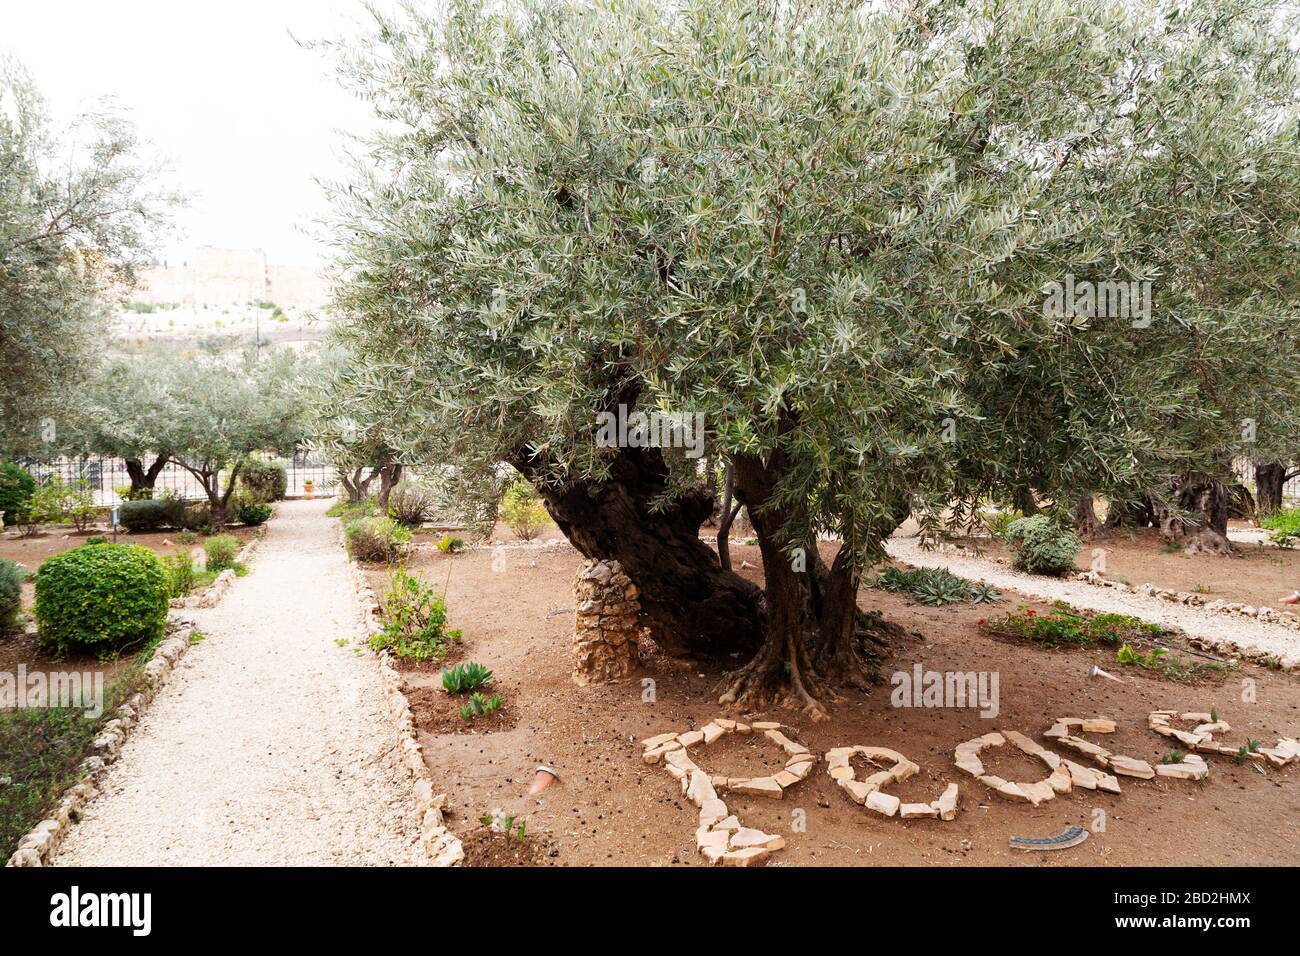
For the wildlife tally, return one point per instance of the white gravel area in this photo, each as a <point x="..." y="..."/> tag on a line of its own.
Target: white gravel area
<point x="1246" y="633"/>
<point x="269" y="744"/>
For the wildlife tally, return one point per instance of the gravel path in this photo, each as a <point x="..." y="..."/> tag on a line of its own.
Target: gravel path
<point x="1197" y="622"/>
<point x="269" y="744"/>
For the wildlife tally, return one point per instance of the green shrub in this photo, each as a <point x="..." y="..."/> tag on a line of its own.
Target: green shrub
<point x="464" y="678"/>
<point x="1041" y="546"/>
<point x="255" y="514"/>
<point x="450" y="543"/>
<point x="376" y="539"/>
<point x="221" y="549"/>
<point x="935" y="586"/>
<point x="997" y="521"/>
<point x="155" y="514"/>
<point x="103" y="599"/>
<point x="409" y="504"/>
<point x="16" y="489"/>
<point x="68" y="501"/>
<point x="352" y="509"/>
<point x="95" y="539"/>
<point x="414" y="621"/>
<point x="1064" y="624"/>
<point x="263" y="482"/>
<point x="1283" y="527"/>
<point x="522" y="510"/>
<point x="11" y="594"/>
<point x="480" y="706"/>
<point x="182" y="575"/>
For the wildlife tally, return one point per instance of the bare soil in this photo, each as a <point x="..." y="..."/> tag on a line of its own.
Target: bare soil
<point x="611" y="808"/>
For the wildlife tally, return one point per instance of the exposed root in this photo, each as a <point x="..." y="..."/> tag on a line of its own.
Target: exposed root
<point x="779" y="675"/>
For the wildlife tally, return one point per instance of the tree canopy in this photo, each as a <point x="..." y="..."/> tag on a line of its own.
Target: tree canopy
<point x="79" y="210"/>
<point x="827" y="227"/>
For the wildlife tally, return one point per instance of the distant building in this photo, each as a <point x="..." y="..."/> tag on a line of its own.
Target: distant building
<point x="221" y="277"/>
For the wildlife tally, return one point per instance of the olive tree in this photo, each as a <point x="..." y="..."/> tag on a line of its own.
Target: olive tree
<point x="224" y="408"/>
<point x="78" y="211"/>
<point x="827" y="229"/>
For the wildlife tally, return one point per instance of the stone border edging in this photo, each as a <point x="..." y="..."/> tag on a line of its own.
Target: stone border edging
<point x="441" y="847"/>
<point x="1265" y="615"/>
<point x="40" y="843"/>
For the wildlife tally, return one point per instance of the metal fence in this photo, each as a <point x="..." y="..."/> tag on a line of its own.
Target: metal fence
<point x="1245" y="471"/>
<point x="106" y="476"/>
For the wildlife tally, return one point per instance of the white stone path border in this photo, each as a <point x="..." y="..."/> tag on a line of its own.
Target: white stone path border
<point x="441" y="847"/>
<point x="1263" y="635"/>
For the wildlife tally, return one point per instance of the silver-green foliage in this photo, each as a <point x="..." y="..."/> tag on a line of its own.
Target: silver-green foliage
<point x="827" y="226"/>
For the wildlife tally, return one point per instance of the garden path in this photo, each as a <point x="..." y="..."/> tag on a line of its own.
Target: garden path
<point x="270" y="743"/>
<point x="1247" y="633"/>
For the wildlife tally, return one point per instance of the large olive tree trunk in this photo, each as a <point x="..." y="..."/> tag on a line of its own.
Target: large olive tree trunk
<point x="1270" y="479"/>
<point x="142" y="478"/>
<point x="1197" y="519"/>
<point x="692" y="605"/>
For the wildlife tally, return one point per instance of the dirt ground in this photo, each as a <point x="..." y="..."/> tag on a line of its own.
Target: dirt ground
<point x="611" y="808"/>
<point x="1254" y="574"/>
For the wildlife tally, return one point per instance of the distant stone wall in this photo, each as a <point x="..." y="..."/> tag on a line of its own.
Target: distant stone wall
<point x="219" y="277"/>
<point x="604" y="644"/>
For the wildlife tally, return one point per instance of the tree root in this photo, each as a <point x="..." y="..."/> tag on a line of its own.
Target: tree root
<point x="779" y="675"/>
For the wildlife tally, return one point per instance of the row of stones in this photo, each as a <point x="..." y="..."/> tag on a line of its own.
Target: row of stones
<point x="605" y="622"/>
<point x="1266" y="614"/>
<point x="720" y="836"/>
<point x="1201" y="738"/>
<point x="441" y="847"/>
<point x="40" y="843"/>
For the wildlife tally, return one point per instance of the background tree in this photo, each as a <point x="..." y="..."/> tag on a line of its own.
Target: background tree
<point x="78" y="212"/>
<point x="827" y="228"/>
<point x="223" y="409"/>
<point x="122" y="411"/>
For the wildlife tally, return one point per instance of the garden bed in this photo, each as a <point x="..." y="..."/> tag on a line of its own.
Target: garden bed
<point x="30" y="552"/>
<point x="1253" y="574"/>
<point x="611" y="808"/>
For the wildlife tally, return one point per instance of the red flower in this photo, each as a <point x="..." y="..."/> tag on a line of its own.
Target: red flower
<point x="980" y="621"/>
<point x="1031" y="612"/>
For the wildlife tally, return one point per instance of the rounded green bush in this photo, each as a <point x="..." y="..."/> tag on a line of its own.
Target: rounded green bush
<point x="1041" y="546"/>
<point x="264" y="481"/>
<point x="11" y="594"/>
<point x="102" y="598"/>
<point x="17" y="486"/>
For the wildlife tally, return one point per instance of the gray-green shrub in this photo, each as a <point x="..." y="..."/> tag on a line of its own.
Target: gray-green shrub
<point x="1042" y="546"/>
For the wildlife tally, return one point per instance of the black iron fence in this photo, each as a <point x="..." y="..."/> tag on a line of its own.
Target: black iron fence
<point x="108" y="478"/>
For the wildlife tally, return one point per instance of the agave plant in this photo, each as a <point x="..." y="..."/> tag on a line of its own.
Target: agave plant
<point x="465" y="677"/>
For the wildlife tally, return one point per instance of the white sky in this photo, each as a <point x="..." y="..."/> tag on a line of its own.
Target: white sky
<point x="246" y="117"/>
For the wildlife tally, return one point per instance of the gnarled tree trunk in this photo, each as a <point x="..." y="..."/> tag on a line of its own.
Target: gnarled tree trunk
<point x="1086" y="522"/>
<point x="691" y="604"/>
<point x="1199" y="522"/>
<point x="1270" y="479"/>
<point x="143" y="479"/>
